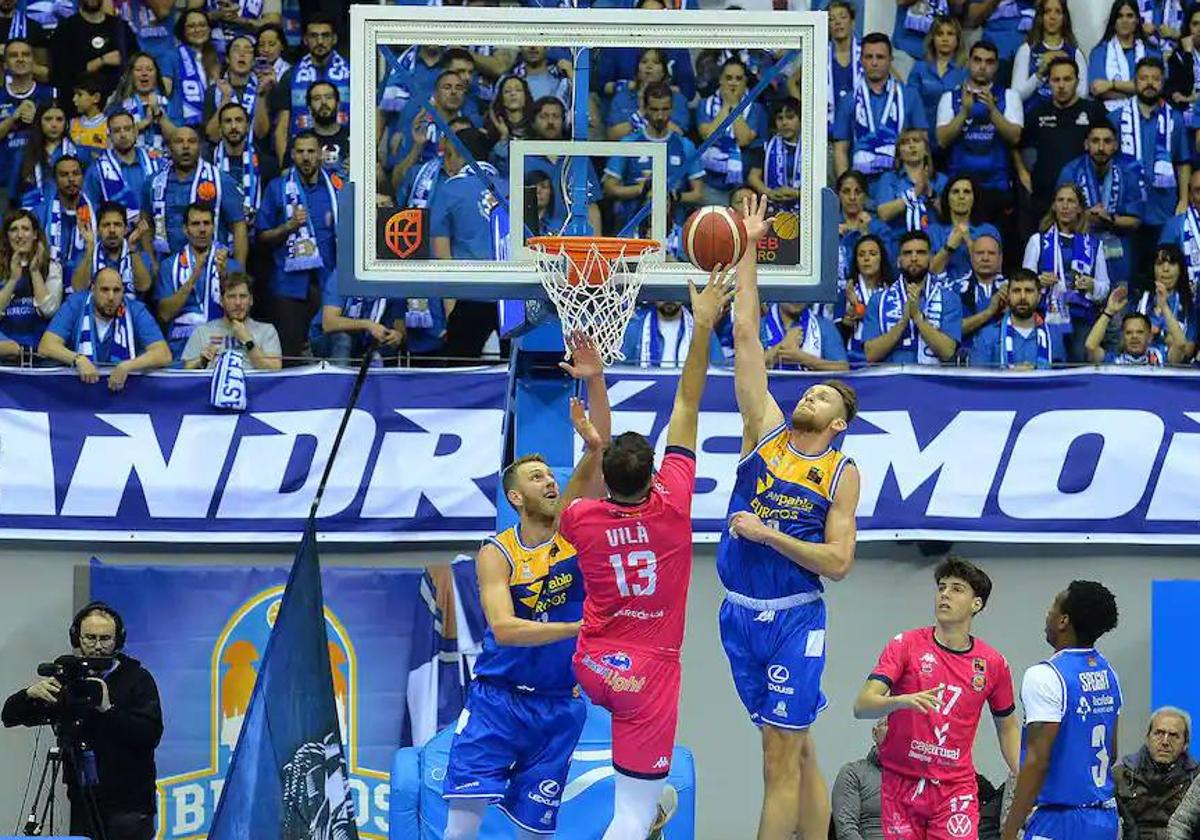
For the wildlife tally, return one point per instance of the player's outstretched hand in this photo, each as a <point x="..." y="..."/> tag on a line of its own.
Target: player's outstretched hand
<point x="923" y="701"/>
<point x="707" y="305"/>
<point x="585" y="358"/>
<point x="748" y="526"/>
<point x="754" y="217"/>
<point x="583" y="425"/>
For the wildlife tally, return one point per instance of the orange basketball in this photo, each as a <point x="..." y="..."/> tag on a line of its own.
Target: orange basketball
<point x="713" y="236"/>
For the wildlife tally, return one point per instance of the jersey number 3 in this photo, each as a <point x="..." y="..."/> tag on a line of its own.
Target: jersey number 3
<point x="1100" y="742"/>
<point x="637" y="573"/>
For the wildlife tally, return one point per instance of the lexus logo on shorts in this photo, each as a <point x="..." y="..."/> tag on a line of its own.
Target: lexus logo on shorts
<point x="778" y="674"/>
<point x="959" y="825"/>
<point x="549" y="788"/>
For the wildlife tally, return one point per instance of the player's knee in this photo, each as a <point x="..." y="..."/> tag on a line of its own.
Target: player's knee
<point x="781" y="755"/>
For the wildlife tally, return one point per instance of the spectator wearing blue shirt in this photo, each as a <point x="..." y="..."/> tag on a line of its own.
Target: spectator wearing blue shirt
<point x="410" y="78"/>
<point x="188" y="179"/>
<point x="982" y="292"/>
<point x="1183" y="230"/>
<point x="627" y="99"/>
<point x="467" y="221"/>
<point x="1172" y="297"/>
<point x="724" y="164"/>
<point x="916" y="320"/>
<point x="544" y="75"/>
<point x="619" y="63"/>
<point x="143" y="94"/>
<point x="870" y="272"/>
<point x="1151" y="136"/>
<point x="941" y="70"/>
<point x="418" y="136"/>
<point x="1020" y="339"/>
<point x="906" y="197"/>
<point x="776" y="169"/>
<point x="104" y="327"/>
<point x="869" y="122"/>
<point x="322" y="63"/>
<point x="19" y="101"/>
<point x="298" y="219"/>
<point x="797" y="337"/>
<point x="856" y="220"/>
<point x="659" y="334"/>
<point x="1051" y="37"/>
<point x="1113" y="198"/>
<point x="960" y="226"/>
<point x="915" y="19"/>
<point x="1113" y="62"/>
<point x="979" y="125"/>
<point x="1137" y="344"/>
<point x="111" y="247"/>
<point x="549" y="119"/>
<point x="857" y="10"/>
<point x="844" y="70"/>
<point x="1005" y="24"/>
<point x="47" y="143"/>
<point x="120" y="173"/>
<point x="189" y="282"/>
<point x="66" y="214"/>
<point x="31" y="287"/>
<point x="347" y="324"/>
<point x="627" y="178"/>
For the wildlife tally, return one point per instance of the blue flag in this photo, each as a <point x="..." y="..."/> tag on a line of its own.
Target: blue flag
<point x="287" y="778"/>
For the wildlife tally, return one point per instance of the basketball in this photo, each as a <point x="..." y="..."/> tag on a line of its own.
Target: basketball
<point x="714" y="235"/>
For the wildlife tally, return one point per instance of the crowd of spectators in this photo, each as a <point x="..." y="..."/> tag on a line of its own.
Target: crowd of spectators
<point x="1025" y="202"/>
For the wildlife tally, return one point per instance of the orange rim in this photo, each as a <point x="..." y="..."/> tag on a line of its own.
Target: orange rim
<point x="609" y="247"/>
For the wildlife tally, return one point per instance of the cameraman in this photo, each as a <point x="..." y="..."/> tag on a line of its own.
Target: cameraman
<point x="122" y="727"/>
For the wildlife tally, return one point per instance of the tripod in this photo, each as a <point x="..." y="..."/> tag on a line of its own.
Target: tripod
<point x="69" y="754"/>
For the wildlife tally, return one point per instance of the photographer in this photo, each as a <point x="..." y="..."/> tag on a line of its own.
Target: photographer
<point x="107" y="702"/>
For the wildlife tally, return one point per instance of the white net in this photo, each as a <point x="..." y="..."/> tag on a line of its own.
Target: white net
<point x="593" y="290"/>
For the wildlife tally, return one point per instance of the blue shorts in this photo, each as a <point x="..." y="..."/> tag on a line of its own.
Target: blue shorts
<point x="1054" y="823"/>
<point x="514" y="749"/>
<point x="777" y="657"/>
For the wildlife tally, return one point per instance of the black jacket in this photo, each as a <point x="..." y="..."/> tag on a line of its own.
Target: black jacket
<point x="123" y="738"/>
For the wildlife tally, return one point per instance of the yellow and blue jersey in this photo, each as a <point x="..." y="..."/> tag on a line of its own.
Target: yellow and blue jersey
<point x="546" y="585"/>
<point x="791" y="491"/>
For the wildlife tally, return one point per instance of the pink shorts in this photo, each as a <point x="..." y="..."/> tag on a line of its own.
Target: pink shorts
<point x="921" y="809"/>
<point x="642" y="692"/>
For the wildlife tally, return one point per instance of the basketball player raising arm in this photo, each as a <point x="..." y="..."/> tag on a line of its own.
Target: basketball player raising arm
<point x="791" y="523"/>
<point x="514" y="740"/>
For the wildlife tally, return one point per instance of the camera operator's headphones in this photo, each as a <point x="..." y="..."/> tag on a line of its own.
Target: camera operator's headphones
<point x="98" y="607"/>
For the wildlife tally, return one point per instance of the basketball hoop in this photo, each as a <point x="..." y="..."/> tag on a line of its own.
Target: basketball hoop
<point x="593" y="282"/>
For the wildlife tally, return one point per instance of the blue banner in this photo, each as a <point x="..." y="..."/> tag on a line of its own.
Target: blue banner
<point x="1101" y="456"/>
<point x="383" y="635"/>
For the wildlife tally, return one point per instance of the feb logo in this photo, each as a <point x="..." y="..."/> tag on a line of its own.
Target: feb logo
<point x="403" y="232"/>
<point x="187" y="802"/>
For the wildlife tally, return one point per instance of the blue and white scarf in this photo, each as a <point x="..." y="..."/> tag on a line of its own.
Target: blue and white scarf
<point x="723" y="159"/>
<point x="193" y="84"/>
<point x="1043" y="90"/>
<point x="855" y="69"/>
<point x="809" y="325"/>
<point x="1023" y="9"/>
<point x="1190" y="244"/>
<point x="60" y="251"/>
<point x="1107" y="193"/>
<point x="983" y="292"/>
<point x="371" y="309"/>
<point x="336" y="71"/>
<point x="227" y="387"/>
<point x="123" y="265"/>
<point x="916" y="211"/>
<point x="1158" y="323"/>
<point x="114" y="187"/>
<point x="89" y="339"/>
<point x="893" y="309"/>
<point x="206" y="293"/>
<point x="919" y="16"/>
<point x="37" y="194"/>
<point x="417" y="315"/>
<point x="1062" y="300"/>
<point x="1153" y="357"/>
<point x="205" y="173"/>
<point x="251" y="183"/>
<point x="1131" y="141"/>
<point x="151" y="137"/>
<point x="1008" y="339"/>
<point x="424" y="182"/>
<point x="18" y="27"/>
<point x="396" y="90"/>
<point x="303" y="253"/>
<point x="782" y="162"/>
<point x="875" y="145"/>
<point x="223" y="34"/>
<point x="650" y="348"/>
<point x="1117" y="68"/>
<point x="248" y="98"/>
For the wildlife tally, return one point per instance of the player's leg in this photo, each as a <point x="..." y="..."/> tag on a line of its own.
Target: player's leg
<point x="481" y="756"/>
<point x="815" y="806"/>
<point x="634" y="807"/>
<point x="954" y="814"/>
<point x="780" y="816"/>
<point x="553" y="726"/>
<point x="897" y="801"/>
<point x="1074" y="824"/>
<point x="464" y="818"/>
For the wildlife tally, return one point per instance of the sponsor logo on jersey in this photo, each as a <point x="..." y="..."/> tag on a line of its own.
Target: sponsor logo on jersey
<point x="979" y="682"/>
<point x="959" y="825"/>
<point x="940" y="732"/>
<point x="1084" y="708"/>
<point x="641" y="615"/>
<point x="925" y="751"/>
<point x="546" y="793"/>
<point x="815" y="475"/>
<point x="777" y="676"/>
<point x="780" y="709"/>
<point x="928" y="660"/>
<point x="621" y="661"/>
<point x="663" y="763"/>
<point x="1094" y="681"/>
<point x="614" y="680"/>
<point x="766" y="616"/>
<point x="979" y="665"/>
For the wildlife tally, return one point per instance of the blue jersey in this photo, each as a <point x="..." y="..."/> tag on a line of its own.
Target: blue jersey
<point x="791" y="491"/>
<point x="1079" y="690"/>
<point x="546" y="585"/>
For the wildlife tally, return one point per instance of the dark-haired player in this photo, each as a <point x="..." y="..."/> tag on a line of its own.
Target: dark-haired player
<point x="635" y="552"/>
<point x="933" y="683"/>
<point x="791" y="523"/>
<point x="514" y="740"/>
<point x="1072" y="701"/>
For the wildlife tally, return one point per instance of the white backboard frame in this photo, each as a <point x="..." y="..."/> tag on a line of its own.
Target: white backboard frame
<point x="400" y="26"/>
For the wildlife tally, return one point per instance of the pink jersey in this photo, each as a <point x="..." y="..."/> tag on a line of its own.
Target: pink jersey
<point x="937" y="745"/>
<point x="636" y="560"/>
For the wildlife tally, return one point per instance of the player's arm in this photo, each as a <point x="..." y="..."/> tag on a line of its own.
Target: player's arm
<point x="587" y="472"/>
<point x="587" y="365"/>
<point x="1039" y="742"/>
<point x="830" y="559"/>
<point x="758" y="408"/>
<point x="707" y="307"/>
<point x="1008" y="731"/>
<point x="493" y="571"/>
<point x="875" y="700"/>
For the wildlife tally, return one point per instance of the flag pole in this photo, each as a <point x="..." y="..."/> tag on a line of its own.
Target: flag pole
<point x="361" y="378"/>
